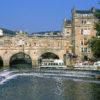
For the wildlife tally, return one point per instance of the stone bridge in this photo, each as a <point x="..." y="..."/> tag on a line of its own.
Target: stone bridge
<point x="31" y="48"/>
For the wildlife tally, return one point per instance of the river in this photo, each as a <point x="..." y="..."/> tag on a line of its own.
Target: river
<point x="37" y="86"/>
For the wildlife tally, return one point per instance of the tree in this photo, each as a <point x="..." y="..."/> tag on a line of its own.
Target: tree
<point x="95" y="41"/>
<point x="97" y="25"/>
<point x="95" y="46"/>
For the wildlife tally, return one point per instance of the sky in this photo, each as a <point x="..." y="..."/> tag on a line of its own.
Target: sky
<point x="39" y="15"/>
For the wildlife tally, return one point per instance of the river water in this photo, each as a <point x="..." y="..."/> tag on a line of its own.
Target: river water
<point x="36" y="86"/>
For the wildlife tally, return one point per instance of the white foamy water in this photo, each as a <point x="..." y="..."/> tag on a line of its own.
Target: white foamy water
<point x="7" y="75"/>
<point x="87" y="81"/>
<point x="7" y="78"/>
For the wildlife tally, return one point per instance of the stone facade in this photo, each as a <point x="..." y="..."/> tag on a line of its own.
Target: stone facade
<point x="34" y="46"/>
<point x="82" y="28"/>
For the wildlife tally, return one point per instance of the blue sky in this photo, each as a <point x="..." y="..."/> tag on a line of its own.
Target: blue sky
<point x="39" y="15"/>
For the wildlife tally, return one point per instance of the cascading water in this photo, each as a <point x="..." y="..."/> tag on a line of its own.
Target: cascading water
<point x="48" y="85"/>
<point x="9" y="74"/>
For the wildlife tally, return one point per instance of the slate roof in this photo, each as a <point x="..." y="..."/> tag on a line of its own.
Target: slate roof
<point x="84" y="11"/>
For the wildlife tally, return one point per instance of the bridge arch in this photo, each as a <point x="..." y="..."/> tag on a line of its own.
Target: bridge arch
<point x="1" y="62"/>
<point x="47" y="56"/>
<point x="20" y="60"/>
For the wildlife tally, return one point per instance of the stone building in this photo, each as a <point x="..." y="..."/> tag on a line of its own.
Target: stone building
<point x="81" y="29"/>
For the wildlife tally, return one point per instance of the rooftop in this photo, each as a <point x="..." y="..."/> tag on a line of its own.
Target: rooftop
<point x="89" y="11"/>
<point x="84" y="11"/>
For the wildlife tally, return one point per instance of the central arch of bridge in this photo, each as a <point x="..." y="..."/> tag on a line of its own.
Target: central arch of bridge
<point x="20" y="60"/>
<point x="47" y="57"/>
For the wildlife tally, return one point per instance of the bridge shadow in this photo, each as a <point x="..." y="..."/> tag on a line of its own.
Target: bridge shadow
<point x="1" y="63"/>
<point x="21" y="61"/>
<point x="49" y="55"/>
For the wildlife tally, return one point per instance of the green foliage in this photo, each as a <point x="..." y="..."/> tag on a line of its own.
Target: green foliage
<point x="97" y="14"/>
<point x="95" y="46"/>
<point x="95" y="41"/>
<point x="97" y="25"/>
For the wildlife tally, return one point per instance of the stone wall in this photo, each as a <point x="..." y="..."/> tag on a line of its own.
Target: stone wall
<point x="34" y="46"/>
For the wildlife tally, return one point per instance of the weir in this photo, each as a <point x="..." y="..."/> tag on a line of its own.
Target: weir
<point x="9" y="74"/>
